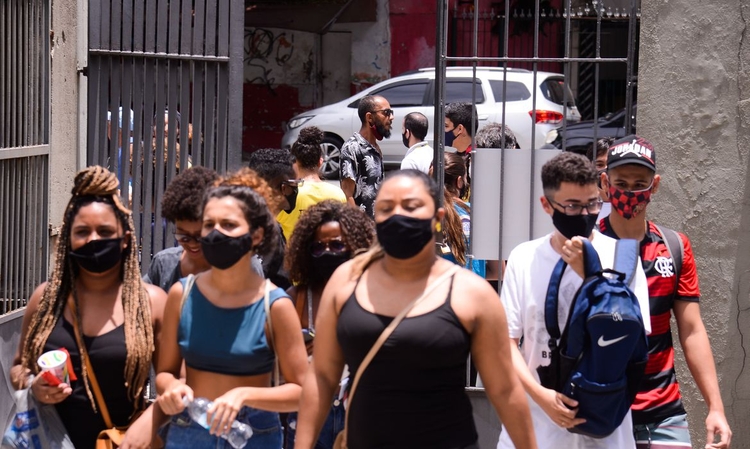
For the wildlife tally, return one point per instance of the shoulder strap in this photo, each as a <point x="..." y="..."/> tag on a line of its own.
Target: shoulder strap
<point x="186" y="288"/>
<point x="267" y="306"/>
<point x="673" y="242"/>
<point x="89" y="369"/>
<point x="389" y="330"/>
<point x="626" y="259"/>
<point x="592" y="265"/>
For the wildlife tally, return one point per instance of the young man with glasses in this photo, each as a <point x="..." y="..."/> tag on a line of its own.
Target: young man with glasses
<point x="361" y="166"/>
<point x="659" y="417"/>
<point x="181" y="206"/>
<point x="571" y="198"/>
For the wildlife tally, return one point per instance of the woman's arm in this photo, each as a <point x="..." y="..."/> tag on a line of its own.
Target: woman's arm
<point x="327" y="365"/>
<point x="482" y="313"/>
<point x="168" y="384"/>
<point x="290" y="350"/>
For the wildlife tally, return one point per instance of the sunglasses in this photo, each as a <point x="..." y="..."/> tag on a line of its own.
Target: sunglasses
<point x="387" y="112"/>
<point x="335" y="246"/>
<point x="293" y="183"/>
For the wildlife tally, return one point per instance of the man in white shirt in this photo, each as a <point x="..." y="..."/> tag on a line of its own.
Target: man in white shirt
<point x="419" y="155"/>
<point x="571" y="198"/>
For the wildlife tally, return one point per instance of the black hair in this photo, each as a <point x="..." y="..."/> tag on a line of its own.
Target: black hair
<point x="367" y="104"/>
<point x="602" y="146"/>
<point x="306" y="150"/>
<point x="417" y="123"/>
<point x="429" y="183"/>
<point x="491" y="136"/>
<point x="460" y="113"/>
<point x="272" y="163"/>
<point x="567" y="167"/>
<point x="183" y="196"/>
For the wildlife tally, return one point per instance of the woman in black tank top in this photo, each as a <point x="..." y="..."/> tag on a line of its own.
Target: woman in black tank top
<point x="97" y="284"/>
<point x="412" y="393"/>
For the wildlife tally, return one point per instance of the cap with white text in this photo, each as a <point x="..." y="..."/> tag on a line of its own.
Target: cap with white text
<point x="631" y="149"/>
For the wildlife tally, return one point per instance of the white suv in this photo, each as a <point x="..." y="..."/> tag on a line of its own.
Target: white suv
<point x="414" y="91"/>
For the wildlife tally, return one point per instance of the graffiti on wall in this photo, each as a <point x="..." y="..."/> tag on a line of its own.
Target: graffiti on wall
<point x="263" y="49"/>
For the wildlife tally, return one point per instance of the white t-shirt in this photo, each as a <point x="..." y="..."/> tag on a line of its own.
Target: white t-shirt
<point x="523" y="295"/>
<point x="418" y="157"/>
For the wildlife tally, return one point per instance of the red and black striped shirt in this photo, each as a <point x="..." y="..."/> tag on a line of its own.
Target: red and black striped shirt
<point x="659" y="393"/>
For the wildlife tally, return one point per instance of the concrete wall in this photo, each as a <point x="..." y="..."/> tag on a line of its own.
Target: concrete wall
<point x="693" y="105"/>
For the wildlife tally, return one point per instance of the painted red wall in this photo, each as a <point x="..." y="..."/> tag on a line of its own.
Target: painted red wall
<point x="413" y="28"/>
<point x="264" y="110"/>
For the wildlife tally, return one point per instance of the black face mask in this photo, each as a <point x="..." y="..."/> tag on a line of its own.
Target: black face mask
<point x="449" y="138"/>
<point x="403" y="237"/>
<point x="292" y="200"/>
<point x="574" y="225"/>
<point x="98" y="256"/>
<point x="405" y="140"/>
<point x="324" y="265"/>
<point x="222" y="251"/>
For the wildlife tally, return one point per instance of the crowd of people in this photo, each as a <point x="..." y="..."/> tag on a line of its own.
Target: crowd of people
<point x="286" y="295"/>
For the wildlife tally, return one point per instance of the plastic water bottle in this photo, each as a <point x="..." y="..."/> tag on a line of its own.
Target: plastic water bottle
<point x="238" y="434"/>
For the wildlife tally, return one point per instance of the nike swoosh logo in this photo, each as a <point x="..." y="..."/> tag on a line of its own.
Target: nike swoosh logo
<point x="604" y="343"/>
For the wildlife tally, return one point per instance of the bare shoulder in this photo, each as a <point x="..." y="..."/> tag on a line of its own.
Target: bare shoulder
<point x="472" y="296"/>
<point x="157" y="298"/>
<point x="341" y="284"/>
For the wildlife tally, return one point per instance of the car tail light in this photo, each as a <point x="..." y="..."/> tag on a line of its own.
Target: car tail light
<point x="552" y="117"/>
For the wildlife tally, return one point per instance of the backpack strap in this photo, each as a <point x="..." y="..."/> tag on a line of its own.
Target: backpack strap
<point x="673" y="241"/>
<point x="591" y="266"/>
<point x="626" y="259"/>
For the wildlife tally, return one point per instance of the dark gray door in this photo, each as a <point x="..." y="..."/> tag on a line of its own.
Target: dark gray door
<point x="164" y="93"/>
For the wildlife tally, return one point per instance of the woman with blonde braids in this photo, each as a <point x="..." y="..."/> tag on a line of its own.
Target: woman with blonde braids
<point x="96" y="283"/>
<point x="221" y="330"/>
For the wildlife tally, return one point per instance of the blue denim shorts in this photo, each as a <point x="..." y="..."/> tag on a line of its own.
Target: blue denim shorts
<point x="333" y="425"/>
<point x="671" y="433"/>
<point x="183" y="432"/>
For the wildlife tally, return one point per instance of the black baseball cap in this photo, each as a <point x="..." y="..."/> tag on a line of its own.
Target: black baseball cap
<point x="631" y="149"/>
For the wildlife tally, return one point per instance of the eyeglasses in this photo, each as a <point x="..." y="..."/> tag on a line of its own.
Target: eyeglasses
<point x="577" y="209"/>
<point x="187" y="239"/>
<point x="335" y="246"/>
<point x="387" y="112"/>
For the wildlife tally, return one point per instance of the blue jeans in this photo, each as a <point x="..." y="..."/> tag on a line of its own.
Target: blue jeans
<point x="333" y="425"/>
<point x="183" y="432"/>
<point x="668" y="434"/>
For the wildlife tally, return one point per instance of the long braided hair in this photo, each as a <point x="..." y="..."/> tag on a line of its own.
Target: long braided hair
<point x="96" y="184"/>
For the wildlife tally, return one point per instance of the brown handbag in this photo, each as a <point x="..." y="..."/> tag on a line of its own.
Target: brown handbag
<point x="340" y="442"/>
<point x="112" y="437"/>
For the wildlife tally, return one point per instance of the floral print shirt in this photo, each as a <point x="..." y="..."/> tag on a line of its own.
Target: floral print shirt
<point x="362" y="163"/>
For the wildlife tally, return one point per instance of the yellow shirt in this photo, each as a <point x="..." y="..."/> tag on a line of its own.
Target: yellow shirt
<point x="310" y="193"/>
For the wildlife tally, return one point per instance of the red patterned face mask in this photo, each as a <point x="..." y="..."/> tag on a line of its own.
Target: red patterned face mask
<point x="629" y="203"/>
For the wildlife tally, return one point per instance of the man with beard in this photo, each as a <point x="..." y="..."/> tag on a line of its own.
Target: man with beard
<point x="361" y="167"/>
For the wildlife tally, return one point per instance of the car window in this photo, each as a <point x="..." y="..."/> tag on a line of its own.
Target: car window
<point x="411" y="94"/>
<point x="461" y="91"/>
<point x="552" y="89"/>
<point x="514" y="91"/>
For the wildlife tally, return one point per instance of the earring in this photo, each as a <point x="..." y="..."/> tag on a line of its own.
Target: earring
<point x="438" y="227"/>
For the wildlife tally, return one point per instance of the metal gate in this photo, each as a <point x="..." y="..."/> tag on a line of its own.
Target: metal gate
<point x="24" y="148"/>
<point x="164" y="93"/>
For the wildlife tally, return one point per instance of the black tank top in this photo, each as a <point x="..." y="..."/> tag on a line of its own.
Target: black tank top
<point x="107" y="353"/>
<point x="412" y="393"/>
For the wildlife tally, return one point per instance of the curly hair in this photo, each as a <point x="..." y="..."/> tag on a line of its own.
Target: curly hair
<point x="567" y="167"/>
<point x="184" y="195"/>
<point x="493" y="134"/>
<point x="96" y="184"/>
<point x="306" y="150"/>
<point x="357" y="232"/>
<point x="253" y="195"/>
<point x="272" y="163"/>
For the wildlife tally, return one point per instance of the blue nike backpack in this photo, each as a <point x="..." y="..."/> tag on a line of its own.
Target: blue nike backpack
<point x="600" y="358"/>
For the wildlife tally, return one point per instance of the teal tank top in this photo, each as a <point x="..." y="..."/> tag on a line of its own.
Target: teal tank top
<point x="225" y="340"/>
